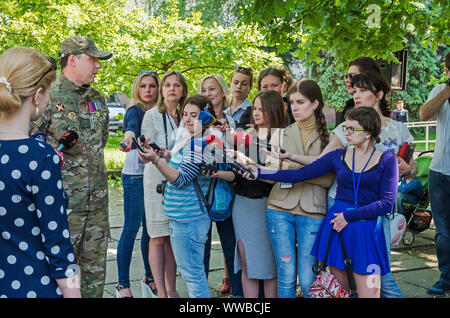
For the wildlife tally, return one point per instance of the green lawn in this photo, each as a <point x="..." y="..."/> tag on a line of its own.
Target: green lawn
<point x="114" y="158"/>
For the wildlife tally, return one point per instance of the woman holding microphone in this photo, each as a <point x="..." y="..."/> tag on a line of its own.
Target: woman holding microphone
<point x="367" y="187"/>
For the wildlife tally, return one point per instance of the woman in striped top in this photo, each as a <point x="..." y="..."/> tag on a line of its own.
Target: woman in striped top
<point x="189" y="224"/>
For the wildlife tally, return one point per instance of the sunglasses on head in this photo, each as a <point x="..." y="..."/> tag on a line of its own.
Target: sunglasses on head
<point x="147" y="72"/>
<point x="53" y="67"/>
<point x="350" y="75"/>
<point x="243" y="69"/>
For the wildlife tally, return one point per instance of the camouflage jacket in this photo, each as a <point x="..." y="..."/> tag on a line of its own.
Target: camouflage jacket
<point x="82" y="109"/>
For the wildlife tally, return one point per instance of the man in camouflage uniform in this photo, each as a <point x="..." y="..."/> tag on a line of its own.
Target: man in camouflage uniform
<point x="75" y="105"/>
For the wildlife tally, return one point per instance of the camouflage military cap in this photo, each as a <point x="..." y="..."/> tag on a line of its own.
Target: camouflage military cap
<point x="82" y="44"/>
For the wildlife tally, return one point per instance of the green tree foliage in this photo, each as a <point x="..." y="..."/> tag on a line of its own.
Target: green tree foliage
<point x="374" y="28"/>
<point x="161" y="42"/>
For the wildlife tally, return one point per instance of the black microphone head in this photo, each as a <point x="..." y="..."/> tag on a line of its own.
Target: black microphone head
<point x="69" y="139"/>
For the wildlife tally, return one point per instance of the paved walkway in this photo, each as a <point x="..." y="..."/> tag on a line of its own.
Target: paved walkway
<point x="414" y="267"/>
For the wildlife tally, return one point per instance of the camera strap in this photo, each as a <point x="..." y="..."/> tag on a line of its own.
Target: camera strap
<point x="201" y="196"/>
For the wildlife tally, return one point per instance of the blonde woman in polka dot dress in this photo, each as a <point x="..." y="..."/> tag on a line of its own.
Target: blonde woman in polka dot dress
<point x="36" y="256"/>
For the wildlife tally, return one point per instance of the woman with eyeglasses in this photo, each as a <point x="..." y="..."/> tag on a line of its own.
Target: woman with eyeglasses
<point x="370" y="91"/>
<point x="37" y="258"/>
<point x="160" y="125"/>
<point x="367" y="187"/>
<point x="357" y="66"/>
<point x="240" y="85"/>
<point x="144" y="96"/>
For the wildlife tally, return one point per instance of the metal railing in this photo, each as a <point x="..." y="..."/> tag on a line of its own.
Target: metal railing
<point x="427" y="125"/>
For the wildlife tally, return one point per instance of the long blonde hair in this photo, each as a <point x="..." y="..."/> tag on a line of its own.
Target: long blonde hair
<point x="135" y="98"/>
<point x="223" y="85"/>
<point x="25" y="70"/>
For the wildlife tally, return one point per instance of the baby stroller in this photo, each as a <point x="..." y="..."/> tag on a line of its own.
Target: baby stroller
<point x="418" y="216"/>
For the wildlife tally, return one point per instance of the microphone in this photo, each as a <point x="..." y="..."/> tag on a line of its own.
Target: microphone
<point x="244" y="139"/>
<point x="207" y="119"/>
<point x="67" y="141"/>
<point x="216" y="143"/>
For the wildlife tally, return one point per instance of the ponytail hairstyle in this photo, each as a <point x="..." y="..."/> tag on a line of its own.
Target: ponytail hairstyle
<point x="375" y="83"/>
<point x="311" y="90"/>
<point x="23" y="70"/>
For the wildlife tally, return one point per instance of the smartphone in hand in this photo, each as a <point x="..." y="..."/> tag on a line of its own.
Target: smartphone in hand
<point x="155" y="146"/>
<point x="135" y="142"/>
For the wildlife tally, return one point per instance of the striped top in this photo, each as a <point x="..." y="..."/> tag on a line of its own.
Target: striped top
<point x="180" y="198"/>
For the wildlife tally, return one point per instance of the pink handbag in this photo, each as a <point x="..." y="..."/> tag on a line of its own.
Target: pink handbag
<point x="326" y="285"/>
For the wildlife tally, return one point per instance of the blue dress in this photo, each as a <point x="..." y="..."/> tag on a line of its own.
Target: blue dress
<point x="363" y="236"/>
<point x="35" y="247"/>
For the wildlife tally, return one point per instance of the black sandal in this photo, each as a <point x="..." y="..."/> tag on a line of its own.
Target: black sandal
<point x="145" y="284"/>
<point x="120" y="287"/>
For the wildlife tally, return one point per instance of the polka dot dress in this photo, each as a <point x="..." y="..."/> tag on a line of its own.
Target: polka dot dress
<point x="35" y="247"/>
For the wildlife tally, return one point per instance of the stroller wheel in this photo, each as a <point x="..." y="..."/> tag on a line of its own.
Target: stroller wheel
<point x="408" y="237"/>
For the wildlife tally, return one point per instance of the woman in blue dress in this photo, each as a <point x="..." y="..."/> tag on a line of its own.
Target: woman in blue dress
<point x="36" y="256"/>
<point x="367" y="188"/>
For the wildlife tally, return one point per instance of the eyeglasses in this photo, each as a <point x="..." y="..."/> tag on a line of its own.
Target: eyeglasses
<point x="147" y="72"/>
<point x="53" y="67"/>
<point x="243" y="69"/>
<point x="351" y="74"/>
<point x="351" y="130"/>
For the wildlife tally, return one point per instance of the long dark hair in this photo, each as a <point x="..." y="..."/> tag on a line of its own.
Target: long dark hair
<point x="273" y="107"/>
<point x="311" y="90"/>
<point x="374" y="82"/>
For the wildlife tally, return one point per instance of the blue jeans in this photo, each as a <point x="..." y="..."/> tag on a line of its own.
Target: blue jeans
<point x="439" y="192"/>
<point x="227" y="237"/>
<point x="283" y="230"/>
<point x="134" y="215"/>
<point x="389" y="287"/>
<point x="188" y="240"/>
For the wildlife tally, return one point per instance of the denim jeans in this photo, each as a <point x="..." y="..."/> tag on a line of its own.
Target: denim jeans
<point x="227" y="237"/>
<point x="188" y="239"/>
<point x="283" y="229"/>
<point x="134" y="215"/>
<point x="439" y="192"/>
<point x="389" y="287"/>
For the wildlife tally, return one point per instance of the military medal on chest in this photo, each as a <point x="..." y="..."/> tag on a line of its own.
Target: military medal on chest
<point x="72" y="115"/>
<point x="60" y="107"/>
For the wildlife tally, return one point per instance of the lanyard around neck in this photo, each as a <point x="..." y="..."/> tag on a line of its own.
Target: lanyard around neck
<point x="356" y="186"/>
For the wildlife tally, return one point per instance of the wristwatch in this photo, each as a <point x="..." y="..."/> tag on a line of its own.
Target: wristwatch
<point x="411" y="173"/>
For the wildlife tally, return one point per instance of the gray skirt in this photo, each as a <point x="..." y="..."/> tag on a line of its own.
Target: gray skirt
<point x="249" y="221"/>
